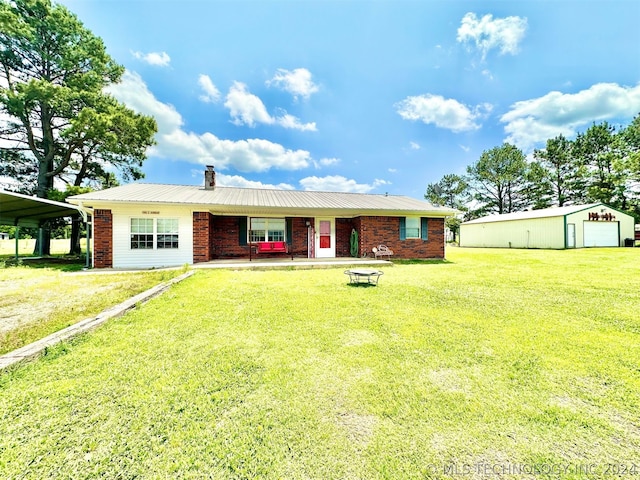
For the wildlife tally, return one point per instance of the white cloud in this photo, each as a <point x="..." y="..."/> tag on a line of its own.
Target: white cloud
<point x="338" y="183"/>
<point x="488" y="33"/>
<point x="211" y="93"/>
<point x="530" y="122"/>
<point x="158" y="59"/>
<point x="326" y="162"/>
<point x="247" y="109"/>
<point x="465" y="148"/>
<point x="238" y="181"/>
<point x="251" y="155"/>
<point x="223" y="180"/>
<point x="133" y="92"/>
<point x="414" y="146"/>
<point x="297" y="82"/>
<point x="377" y="182"/>
<point x="487" y="73"/>
<point x="289" y="121"/>
<point x="392" y="170"/>
<point x="442" y="112"/>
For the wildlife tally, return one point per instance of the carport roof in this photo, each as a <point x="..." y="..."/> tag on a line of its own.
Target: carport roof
<point x="25" y="211"/>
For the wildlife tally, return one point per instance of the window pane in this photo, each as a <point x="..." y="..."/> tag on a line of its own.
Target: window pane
<point x="276" y="224"/>
<point x="276" y="235"/>
<point x="142" y="225"/>
<point x="167" y="225"/>
<point x="267" y="230"/>
<point x="257" y="235"/>
<point x="167" y="241"/>
<point x="141" y="241"/>
<point x="413" y="227"/>
<point x="325" y="227"/>
<point x="258" y="224"/>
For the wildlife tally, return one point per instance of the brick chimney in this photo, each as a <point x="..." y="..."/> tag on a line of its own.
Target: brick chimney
<point x="209" y="178"/>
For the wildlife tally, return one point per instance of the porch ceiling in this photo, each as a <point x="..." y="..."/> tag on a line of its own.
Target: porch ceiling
<point x="308" y="212"/>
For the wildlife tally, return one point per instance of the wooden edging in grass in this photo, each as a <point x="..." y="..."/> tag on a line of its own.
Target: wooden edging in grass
<point x="36" y="348"/>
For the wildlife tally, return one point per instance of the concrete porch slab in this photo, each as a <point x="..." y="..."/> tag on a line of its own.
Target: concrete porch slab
<point x="288" y="262"/>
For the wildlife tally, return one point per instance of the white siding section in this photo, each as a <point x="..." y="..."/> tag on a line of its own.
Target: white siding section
<point x="125" y="257"/>
<point x="624" y="222"/>
<point x="530" y="233"/>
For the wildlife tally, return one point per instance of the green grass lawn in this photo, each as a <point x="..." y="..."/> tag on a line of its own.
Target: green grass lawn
<point x="36" y="301"/>
<point x="26" y="246"/>
<point x="499" y="359"/>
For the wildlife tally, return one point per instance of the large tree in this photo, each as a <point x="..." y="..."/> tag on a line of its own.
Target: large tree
<point x="564" y="178"/>
<point x="52" y="77"/>
<point x="498" y="180"/>
<point x="452" y="191"/>
<point x="602" y="153"/>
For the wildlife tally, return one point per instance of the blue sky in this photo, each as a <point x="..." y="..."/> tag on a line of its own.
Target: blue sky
<point x="363" y="96"/>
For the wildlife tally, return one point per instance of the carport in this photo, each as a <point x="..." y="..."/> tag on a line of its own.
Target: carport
<point x="21" y="210"/>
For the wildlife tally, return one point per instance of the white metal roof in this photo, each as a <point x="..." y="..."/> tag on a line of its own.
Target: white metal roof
<point x="26" y="211"/>
<point x="529" y="214"/>
<point x="231" y="200"/>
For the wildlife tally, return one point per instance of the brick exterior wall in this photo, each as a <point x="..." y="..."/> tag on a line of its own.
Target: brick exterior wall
<point x="343" y="236"/>
<point x="202" y="236"/>
<point x="386" y="230"/>
<point x="102" y="239"/>
<point x="300" y="236"/>
<point x="226" y="238"/>
<point x="218" y="237"/>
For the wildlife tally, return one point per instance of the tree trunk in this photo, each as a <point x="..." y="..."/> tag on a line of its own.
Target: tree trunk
<point x="74" y="246"/>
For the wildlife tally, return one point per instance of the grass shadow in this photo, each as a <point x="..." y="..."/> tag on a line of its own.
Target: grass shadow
<point x="421" y="261"/>
<point x="63" y="264"/>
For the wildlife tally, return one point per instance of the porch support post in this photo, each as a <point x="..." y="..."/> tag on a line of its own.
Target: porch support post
<point x="40" y="240"/>
<point x="17" y="241"/>
<point x="88" y="262"/>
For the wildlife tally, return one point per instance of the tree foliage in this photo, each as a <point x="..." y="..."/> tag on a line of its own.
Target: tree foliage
<point x="601" y="164"/>
<point x="498" y="179"/>
<point x="451" y="191"/>
<point x="561" y="177"/>
<point x="53" y="72"/>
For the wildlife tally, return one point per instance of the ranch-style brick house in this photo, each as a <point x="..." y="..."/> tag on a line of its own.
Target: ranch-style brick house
<point x="150" y="225"/>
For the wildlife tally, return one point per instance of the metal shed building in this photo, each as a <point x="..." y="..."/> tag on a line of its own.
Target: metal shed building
<point x="576" y="226"/>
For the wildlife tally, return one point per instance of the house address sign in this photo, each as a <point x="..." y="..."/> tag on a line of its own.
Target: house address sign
<point x="155" y="212"/>
<point x="606" y="217"/>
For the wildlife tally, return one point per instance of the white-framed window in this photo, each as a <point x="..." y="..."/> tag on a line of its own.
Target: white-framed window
<point x="267" y="230"/>
<point x="142" y="233"/>
<point x="150" y="233"/>
<point x="412" y="227"/>
<point x="167" y="229"/>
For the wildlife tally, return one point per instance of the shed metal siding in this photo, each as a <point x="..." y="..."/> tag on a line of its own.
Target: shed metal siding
<point x="626" y="222"/>
<point x="545" y="231"/>
<point x="528" y="233"/>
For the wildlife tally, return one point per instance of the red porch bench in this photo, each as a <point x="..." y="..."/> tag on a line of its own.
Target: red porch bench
<point x="272" y="247"/>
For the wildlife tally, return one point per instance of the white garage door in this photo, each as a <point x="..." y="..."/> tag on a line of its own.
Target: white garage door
<point x="601" y="234"/>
